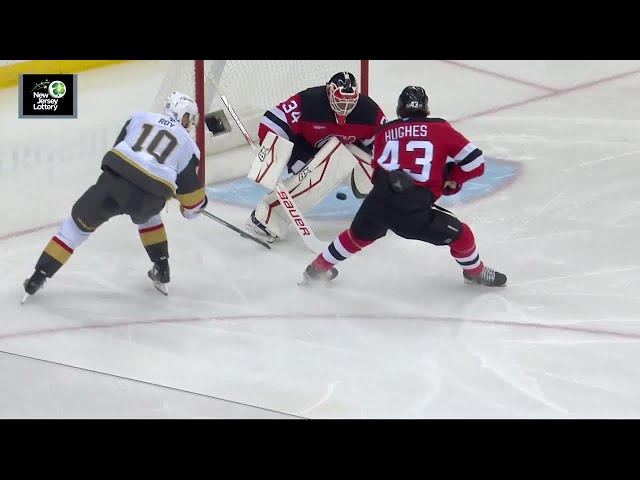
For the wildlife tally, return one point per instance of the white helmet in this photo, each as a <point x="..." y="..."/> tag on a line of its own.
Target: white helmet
<point x="178" y="104"/>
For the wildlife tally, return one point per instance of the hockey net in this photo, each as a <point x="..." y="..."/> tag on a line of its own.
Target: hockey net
<point x="251" y="87"/>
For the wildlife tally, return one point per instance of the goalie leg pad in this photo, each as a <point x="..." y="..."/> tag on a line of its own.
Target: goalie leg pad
<point x="328" y="168"/>
<point x="276" y="225"/>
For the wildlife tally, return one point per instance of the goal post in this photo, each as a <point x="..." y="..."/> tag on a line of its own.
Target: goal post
<point x="251" y="86"/>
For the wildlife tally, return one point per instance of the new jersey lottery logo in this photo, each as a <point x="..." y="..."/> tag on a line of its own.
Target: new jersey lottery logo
<point x="48" y="96"/>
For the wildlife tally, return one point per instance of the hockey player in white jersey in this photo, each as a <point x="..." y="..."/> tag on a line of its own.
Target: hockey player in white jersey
<point x="154" y="159"/>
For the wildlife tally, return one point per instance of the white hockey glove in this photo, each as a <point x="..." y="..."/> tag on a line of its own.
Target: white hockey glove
<point x="192" y="213"/>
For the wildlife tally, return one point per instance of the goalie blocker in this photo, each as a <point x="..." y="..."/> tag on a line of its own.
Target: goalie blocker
<point x="335" y="163"/>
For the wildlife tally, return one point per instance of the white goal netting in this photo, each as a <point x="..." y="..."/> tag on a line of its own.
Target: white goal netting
<point x="250" y="86"/>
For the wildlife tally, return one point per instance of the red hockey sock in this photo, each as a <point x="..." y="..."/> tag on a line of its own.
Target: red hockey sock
<point x="464" y="251"/>
<point x="340" y="249"/>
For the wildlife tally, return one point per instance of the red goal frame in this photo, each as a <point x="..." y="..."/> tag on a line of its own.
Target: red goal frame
<point x="199" y="88"/>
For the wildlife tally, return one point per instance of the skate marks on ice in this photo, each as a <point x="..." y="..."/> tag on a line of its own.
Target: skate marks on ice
<point x="495" y="357"/>
<point x="361" y="376"/>
<point x="420" y="324"/>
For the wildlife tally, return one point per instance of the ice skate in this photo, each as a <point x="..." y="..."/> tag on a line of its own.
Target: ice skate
<point x="33" y="284"/>
<point x="159" y="275"/>
<point x="254" y="226"/>
<point x="488" y="277"/>
<point x="313" y="276"/>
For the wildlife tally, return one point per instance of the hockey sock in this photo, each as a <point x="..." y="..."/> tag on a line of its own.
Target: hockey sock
<point x="154" y="238"/>
<point x="464" y="251"/>
<point x="340" y="249"/>
<point x="61" y="247"/>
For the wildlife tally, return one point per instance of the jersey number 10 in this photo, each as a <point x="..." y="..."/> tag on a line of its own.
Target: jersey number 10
<point x="155" y="142"/>
<point x="415" y="159"/>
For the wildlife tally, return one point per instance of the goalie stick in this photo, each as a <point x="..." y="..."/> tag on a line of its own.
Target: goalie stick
<point x="235" y="229"/>
<point x="309" y="238"/>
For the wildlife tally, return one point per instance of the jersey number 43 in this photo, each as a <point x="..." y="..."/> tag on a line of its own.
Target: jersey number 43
<point x="414" y="157"/>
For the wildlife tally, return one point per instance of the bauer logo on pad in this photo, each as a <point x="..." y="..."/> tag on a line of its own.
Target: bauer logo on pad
<point x="48" y="96"/>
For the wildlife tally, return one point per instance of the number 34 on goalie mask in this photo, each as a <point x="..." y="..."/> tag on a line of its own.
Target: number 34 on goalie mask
<point x="183" y="108"/>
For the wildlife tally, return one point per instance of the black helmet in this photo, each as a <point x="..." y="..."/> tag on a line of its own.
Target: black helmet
<point x="412" y="101"/>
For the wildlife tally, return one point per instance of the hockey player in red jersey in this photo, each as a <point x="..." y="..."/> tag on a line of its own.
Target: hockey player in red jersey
<point x="312" y="117"/>
<point x="410" y="174"/>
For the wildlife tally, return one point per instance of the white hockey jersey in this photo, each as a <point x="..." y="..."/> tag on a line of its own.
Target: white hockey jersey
<point x="159" y="145"/>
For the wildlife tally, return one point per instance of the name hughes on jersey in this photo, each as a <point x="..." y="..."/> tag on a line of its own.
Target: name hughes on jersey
<point x="405" y="131"/>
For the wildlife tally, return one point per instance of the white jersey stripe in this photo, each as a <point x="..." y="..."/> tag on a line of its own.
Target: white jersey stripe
<point x="274" y="127"/>
<point x="472" y="266"/>
<point x="326" y="254"/>
<point x="279" y="113"/>
<point x="468" y="258"/>
<point x="473" y="165"/>
<point x="341" y="250"/>
<point x="470" y="147"/>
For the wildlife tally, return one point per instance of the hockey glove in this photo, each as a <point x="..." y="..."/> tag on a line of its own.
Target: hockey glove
<point x="191" y="213"/>
<point x="451" y="187"/>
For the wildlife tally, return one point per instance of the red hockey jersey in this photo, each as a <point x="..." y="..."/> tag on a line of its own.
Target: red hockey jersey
<point x="420" y="146"/>
<point x="308" y="115"/>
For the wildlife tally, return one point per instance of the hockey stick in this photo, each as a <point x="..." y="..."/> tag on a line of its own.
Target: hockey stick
<point x="235" y="229"/>
<point x="302" y="227"/>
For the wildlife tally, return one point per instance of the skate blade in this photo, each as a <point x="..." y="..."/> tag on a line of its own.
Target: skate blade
<point x="476" y="284"/>
<point x="307" y="281"/>
<point x="162" y="288"/>
<point x="251" y="229"/>
<point x="261" y="236"/>
<point x="315" y="283"/>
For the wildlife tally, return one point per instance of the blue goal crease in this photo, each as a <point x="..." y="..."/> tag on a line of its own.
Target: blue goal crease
<point x="245" y="193"/>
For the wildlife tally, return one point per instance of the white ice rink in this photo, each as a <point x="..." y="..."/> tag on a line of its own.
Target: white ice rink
<point x="397" y="335"/>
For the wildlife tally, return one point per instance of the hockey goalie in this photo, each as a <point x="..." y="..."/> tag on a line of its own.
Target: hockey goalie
<point x="323" y="136"/>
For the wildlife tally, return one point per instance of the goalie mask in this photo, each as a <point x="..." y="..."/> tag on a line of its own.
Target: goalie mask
<point x="342" y="90"/>
<point x="178" y="105"/>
